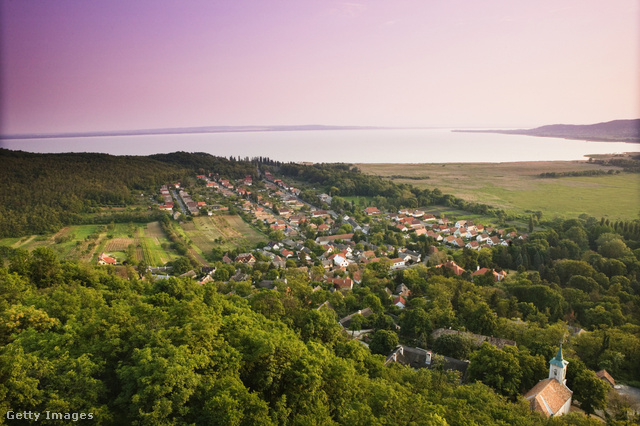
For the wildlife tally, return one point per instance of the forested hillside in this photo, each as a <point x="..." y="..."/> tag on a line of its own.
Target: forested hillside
<point x="43" y="192"/>
<point x="78" y="339"/>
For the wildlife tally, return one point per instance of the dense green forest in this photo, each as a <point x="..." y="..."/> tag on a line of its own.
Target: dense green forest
<point x="173" y="351"/>
<point x="80" y="339"/>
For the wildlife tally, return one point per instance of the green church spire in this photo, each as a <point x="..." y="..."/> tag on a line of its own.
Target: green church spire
<point x="559" y="359"/>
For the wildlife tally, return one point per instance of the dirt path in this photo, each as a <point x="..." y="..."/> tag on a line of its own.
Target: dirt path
<point x="60" y="233"/>
<point x="22" y="243"/>
<point x="98" y="242"/>
<point x="199" y="258"/>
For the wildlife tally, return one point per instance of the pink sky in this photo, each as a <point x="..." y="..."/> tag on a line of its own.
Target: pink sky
<point x="80" y="65"/>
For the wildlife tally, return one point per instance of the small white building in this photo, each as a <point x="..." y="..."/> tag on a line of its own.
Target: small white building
<point x="397" y="263"/>
<point x="340" y="261"/>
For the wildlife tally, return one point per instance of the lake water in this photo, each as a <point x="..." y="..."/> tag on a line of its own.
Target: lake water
<point x="351" y="146"/>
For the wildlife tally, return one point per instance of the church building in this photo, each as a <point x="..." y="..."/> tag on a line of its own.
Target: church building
<point x="551" y="396"/>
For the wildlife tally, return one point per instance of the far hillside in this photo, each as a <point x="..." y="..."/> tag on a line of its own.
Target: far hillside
<point x="611" y="131"/>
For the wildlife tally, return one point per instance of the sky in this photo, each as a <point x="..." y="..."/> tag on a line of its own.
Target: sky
<point x="79" y="66"/>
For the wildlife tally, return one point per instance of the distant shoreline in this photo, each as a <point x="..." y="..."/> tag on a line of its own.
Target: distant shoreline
<point x="195" y="130"/>
<point x="574" y="138"/>
<point x="627" y="131"/>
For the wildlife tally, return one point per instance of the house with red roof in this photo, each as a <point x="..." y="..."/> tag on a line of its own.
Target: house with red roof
<point x="246" y="258"/>
<point x="604" y="375"/>
<point x="473" y="245"/>
<point x="498" y="276"/>
<point x="397" y="263"/>
<point x="402" y="227"/>
<point x="341" y="283"/>
<point x="371" y="211"/>
<point x="450" y="264"/>
<point x="399" y="302"/>
<point x="457" y="242"/>
<point x="433" y="235"/>
<point x="105" y="259"/>
<point x="483" y="238"/>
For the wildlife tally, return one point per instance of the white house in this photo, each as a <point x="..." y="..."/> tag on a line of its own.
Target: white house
<point x="340" y="261"/>
<point x="473" y="245"/>
<point x="397" y="263"/>
<point x="399" y="302"/>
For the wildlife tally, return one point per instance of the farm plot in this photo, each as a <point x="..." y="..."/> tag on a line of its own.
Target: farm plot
<point x="250" y="235"/>
<point x="226" y="232"/>
<point x="119" y="244"/>
<point x="85" y="242"/>
<point x="154" y="245"/>
<point x="154" y="230"/>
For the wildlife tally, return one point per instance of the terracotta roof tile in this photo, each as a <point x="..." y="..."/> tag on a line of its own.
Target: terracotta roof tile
<point x="548" y="396"/>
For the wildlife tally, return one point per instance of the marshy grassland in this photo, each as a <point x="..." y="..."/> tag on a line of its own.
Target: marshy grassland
<point x="518" y="187"/>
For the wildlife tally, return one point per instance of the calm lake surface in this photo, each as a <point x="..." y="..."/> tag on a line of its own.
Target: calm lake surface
<point x="352" y="146"/>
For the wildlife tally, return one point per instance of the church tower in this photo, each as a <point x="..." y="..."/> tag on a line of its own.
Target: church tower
<point x="558" y="368"/>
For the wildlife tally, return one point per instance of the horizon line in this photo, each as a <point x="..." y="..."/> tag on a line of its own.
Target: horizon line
<point x="221" y="129"/>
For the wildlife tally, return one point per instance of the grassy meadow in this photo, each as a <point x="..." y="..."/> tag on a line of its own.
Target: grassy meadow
<point x="516" y="187"/>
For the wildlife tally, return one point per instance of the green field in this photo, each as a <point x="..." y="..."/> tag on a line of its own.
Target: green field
<point x="449" y="212"/>
<point x="517" y="188"/>
<point x="358" y="200"/>
<point x="71" y="242"/>
<point x="223" y="231"/>
<point x="152" y="238"/>
<point x="86" y="242"/>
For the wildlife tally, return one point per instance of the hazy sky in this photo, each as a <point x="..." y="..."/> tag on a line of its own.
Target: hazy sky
<point x="121" y="64"/>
